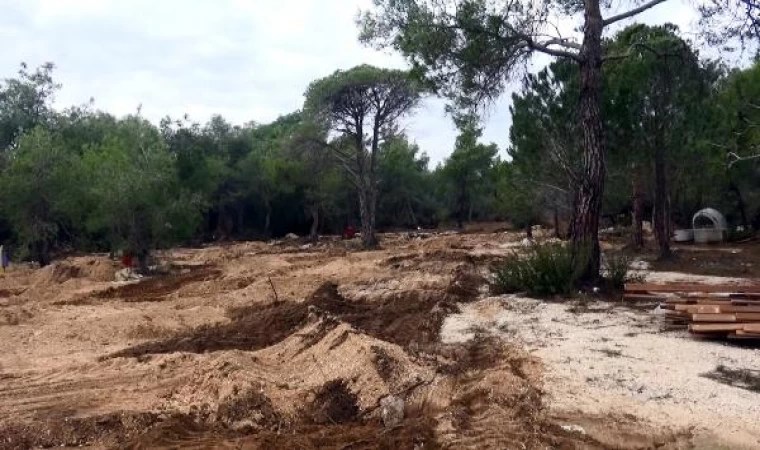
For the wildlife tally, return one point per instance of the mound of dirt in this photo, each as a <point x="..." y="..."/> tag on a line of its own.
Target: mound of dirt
<point x="251" y="410"/>
<point x="98" y="269"/>
<point x="466" y="284"/>
<point x="75" y="432"/>
<point x="158" y="287"/>
<point x="333" y="403"/>
<point x="405" y="318"/>
<point x="250" y="328"/>
<point x="57" y="273"/>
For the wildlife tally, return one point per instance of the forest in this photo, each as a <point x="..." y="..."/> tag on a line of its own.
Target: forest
<point x="681" y="133"/>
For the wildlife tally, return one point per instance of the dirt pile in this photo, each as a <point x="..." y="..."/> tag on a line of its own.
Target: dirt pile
<point x="220" y="362"/>
<point x="109" y="429"/>
<point x="92" y="268"/>
<point x="404" y="318"/>
<point x="334" y="403"/>
<point x="157" y="288"/>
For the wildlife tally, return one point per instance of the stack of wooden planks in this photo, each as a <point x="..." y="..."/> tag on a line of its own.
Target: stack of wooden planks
<point x="727" y="310"/>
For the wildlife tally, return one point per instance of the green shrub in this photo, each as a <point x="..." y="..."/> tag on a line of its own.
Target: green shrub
<point x="617" y="268"/>
<point x="545" y="270"/>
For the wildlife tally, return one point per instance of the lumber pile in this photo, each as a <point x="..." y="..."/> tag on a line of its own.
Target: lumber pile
<point x="731" y="311"/>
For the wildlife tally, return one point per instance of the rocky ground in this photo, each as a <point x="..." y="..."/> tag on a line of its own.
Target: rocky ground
<point x="286" y="345"/>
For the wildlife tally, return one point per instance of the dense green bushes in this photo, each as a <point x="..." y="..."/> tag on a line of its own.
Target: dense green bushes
<point x="544" y="270"/>
<point x="548" y="269"/>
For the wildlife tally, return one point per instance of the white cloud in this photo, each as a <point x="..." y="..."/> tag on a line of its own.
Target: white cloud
<point x="245" y="59"/>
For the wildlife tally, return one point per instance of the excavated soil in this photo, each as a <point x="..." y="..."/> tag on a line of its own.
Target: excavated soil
<point x="263" y="346"/>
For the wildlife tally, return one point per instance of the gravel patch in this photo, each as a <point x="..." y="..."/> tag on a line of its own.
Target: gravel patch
<point x="610" y="358"/>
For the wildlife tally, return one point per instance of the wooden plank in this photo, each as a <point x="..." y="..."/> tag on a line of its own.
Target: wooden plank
<point x="746" y="333"/>
<point x="739" y="309"/>
<point x="680" y="301"/>
<point x="712" y="301"/>
<point x="713" y="317"/>
<point x="701" y="309"/>
<point x="716" y="309"/>
<point x="748" y="317"/>
<point x="751" y="337"/>
<point x="714" y="327"/>
<point x="751" y="327"/>
<point x="644" y="297"/>
<point x="693" y="287"/>
<point x="745" y="302"/>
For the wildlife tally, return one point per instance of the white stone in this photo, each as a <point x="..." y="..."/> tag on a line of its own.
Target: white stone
<point x="391" y="411"/>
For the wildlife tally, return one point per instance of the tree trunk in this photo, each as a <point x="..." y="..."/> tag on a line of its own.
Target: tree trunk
<point x="589" y="194"/>
<point x="461" y="204"/>
<point x="367" y="214"/>
<point x="638" y="209"/>
<point x="557" y="232"/>
<point x="267" y="219"/>
<point x="411" y="213"/>
<point x="42" y="252"/>
<point x="142" y="261"/>
<point x="314" y="232"/>
<point x="661" y="203"/>
<point x="529" y="230"/>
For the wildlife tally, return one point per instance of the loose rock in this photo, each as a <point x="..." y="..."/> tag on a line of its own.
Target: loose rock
<point x="391" y="411"/>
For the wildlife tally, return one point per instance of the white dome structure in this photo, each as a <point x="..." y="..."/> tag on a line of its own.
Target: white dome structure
<point x="709" y="226"/>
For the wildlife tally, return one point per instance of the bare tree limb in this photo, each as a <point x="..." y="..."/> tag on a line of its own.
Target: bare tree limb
<point x="543" y="48"/>
<point x="631" y="13"/>
<point x="736" y="158"/>
<point x="563" y="42"/>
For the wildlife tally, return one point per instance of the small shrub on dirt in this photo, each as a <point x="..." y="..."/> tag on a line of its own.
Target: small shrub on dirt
<point x="617" y="267"/>
<point x="546" y="270"/>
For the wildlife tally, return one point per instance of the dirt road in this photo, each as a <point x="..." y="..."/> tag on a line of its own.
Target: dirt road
<point x="287" y="345"/>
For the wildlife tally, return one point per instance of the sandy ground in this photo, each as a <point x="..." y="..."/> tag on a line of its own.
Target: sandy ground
<point x="601" y="358"/>
<point x="286" y="345"/>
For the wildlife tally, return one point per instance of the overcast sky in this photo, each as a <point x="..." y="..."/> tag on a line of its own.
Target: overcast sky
<point x="246" y="60"/>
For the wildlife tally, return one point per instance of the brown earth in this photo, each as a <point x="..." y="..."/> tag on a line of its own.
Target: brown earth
<point x="254" y="345"/>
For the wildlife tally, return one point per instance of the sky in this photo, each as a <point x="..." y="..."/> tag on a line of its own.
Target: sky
<point x="248" y="60"/>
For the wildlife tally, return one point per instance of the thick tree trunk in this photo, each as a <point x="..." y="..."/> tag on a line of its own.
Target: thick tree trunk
<point x="367" y="214"/>
<point x="661" y="218"/>
<point x="529" y="230"/>
<point x="42" y="252"/>
<point x="585" y="228"/>
<point x="314" y="232"/>
<point x="638" y="209"/>
<point x="142" y="261"/>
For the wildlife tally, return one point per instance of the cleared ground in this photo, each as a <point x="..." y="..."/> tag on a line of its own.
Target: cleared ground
<point x="290" y="346"/>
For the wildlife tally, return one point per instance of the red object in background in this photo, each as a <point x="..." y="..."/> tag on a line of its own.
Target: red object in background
<point x="126" y="260"/>
<point x="349" y="232"/>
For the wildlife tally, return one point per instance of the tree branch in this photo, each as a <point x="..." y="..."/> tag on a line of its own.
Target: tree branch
<point x="736" y="158"/>
<point x="543" y="48"/>
<point x="631" y="13"/>
<point x="563" y="42"/>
